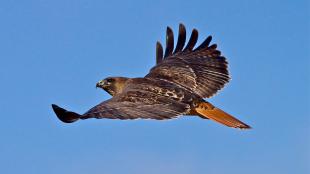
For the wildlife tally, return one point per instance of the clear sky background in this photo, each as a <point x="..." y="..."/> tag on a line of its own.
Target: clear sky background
<point x="56" y="51"/>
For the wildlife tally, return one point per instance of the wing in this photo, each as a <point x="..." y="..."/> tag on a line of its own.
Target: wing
<point x="202" y="70"/>
<point x="138" y="103"/>
<point x="141" y="98"/>
<point x="129" y="110"/>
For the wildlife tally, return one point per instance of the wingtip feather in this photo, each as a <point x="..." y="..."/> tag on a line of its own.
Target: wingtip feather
<point x="169" y="42"/>
<point x="192" y="40"/>
<point x="64" y="115"/>
<point x="159" y="52"/>
<point x="181" y="38"/>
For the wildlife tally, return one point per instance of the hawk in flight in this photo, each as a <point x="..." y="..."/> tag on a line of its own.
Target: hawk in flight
<point x="177" y="85"/>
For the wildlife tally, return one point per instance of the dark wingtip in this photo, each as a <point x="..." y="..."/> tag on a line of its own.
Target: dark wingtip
<point x="159" y="52"/>
<point x="205" y="43"/>
<point x="64" y="115"/>
<point x="169" y="42"/>
<point x="181" y="38"/>
<point x="192" y="40"/>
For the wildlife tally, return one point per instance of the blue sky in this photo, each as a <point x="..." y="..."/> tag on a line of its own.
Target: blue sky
<point x="55" y="52"/>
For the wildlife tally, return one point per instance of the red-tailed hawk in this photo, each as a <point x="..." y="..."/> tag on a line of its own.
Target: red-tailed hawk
<point x="176" y="86"/>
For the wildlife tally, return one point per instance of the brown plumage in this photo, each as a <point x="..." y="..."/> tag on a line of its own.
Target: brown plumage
<point x="176" y="86"/>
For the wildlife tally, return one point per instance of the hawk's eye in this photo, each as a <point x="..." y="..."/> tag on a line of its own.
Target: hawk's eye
<point x="110" y="80"/>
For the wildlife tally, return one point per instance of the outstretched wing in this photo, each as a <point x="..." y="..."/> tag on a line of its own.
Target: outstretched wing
<point x="138" y="101"/>
<point x="202" y="70"/>
<point x="130" y="110"/>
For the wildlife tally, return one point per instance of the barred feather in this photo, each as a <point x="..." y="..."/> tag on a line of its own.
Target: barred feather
<point x="202" y="70"/>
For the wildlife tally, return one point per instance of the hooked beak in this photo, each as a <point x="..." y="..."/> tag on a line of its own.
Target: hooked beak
<point x="100" y="84"/>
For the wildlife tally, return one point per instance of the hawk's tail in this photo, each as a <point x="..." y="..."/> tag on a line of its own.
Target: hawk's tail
<point x="207" y="110"/>
<point x="64" y="115"/>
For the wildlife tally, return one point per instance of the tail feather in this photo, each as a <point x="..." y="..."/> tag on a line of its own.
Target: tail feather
<point x="207" y="110"/>
<point x="64" y="115"/>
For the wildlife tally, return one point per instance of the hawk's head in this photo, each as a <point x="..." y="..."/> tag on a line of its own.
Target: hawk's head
<point x="113" y="85"/>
